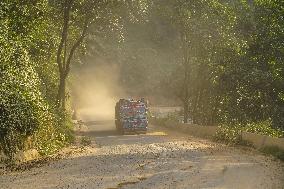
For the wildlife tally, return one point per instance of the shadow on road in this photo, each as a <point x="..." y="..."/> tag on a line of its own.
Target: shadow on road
<point x="98" y="128"/>
<point x="99" y="122"/>
<point x="105" y="134"/>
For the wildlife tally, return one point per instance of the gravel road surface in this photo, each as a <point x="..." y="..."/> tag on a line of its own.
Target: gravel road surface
<point x="161" y="159"/>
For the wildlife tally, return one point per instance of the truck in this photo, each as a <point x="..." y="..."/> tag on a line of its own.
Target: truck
<point x="131" y="116"/>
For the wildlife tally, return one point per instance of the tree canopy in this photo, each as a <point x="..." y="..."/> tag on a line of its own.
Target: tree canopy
<point x="222" y="60"/>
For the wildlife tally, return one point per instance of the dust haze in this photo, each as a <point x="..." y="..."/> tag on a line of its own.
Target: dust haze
<point x="96" y="90"/>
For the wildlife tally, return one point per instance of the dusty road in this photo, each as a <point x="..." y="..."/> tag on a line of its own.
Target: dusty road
<point x="159" y="159"/>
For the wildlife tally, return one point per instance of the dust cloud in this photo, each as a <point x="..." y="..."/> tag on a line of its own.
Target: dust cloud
<point x="95" y="91"/>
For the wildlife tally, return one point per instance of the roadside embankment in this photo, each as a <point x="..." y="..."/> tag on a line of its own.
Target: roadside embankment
<point x="258" y="141"/>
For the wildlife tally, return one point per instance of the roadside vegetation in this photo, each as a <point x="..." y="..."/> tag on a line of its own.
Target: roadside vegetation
<point x="274" y="151"/>
<point x="28" y="117"/>
<point x="232" y="133"/>
<point x="222" y="61"/>
<point x="86" y="141"/>
<point x="39" y="42"/>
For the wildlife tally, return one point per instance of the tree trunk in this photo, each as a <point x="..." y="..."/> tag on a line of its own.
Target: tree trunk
<point x="186" y="92"/>
<point x="64" y="63"/>
<point x="185" y="109"/>
<point x="186" y="75"/>
<point x="61" y="92"/>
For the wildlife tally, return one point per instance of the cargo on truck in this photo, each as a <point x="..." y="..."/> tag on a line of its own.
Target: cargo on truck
<point x="131" y="116"/>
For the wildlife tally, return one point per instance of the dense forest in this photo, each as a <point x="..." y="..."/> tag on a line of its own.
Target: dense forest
<point x="222" y="60"/>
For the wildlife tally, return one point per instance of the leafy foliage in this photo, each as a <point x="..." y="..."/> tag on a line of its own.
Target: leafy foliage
<point x="231" y="134"/>
<point x="274" y="151"/>
<point x="27" y="117"/>
<point x="222" y="60"/>
<point x="22" y="107"/>
<point x="264" y="128"/>
<point x="86" y="141"/>
<point x="24" y="111"/>
<point x="228" y="65"/>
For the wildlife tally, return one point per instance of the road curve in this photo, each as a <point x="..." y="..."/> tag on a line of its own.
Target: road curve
<point x="158" y="160"/>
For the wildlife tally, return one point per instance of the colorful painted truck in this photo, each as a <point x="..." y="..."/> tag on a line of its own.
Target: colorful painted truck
<point x="131" y="116"/>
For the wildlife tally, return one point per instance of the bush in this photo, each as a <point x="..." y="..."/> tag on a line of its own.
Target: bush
<point x="229" y="134"/>
<point x="51" y="137"/>
<point x="232" y="133"/>
<point x="274" y="151"/>
<point x="25" y="115"/>
<point x="174" y="116"/>
<point x="85" y="141"/>
<point x="157" y="121"/>
<point x="22" y="109"/>
<point x="161" y="121"/>
<point x="264" y="128"/>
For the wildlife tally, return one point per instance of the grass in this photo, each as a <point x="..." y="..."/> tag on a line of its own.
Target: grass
<point x="231" y="135"/>
<point x="274" y="151"/>
<point x="86" y="141"/>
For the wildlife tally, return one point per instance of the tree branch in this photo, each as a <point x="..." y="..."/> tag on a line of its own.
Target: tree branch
<point x="75" y="46"/>
<point x="66" y="16"/>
